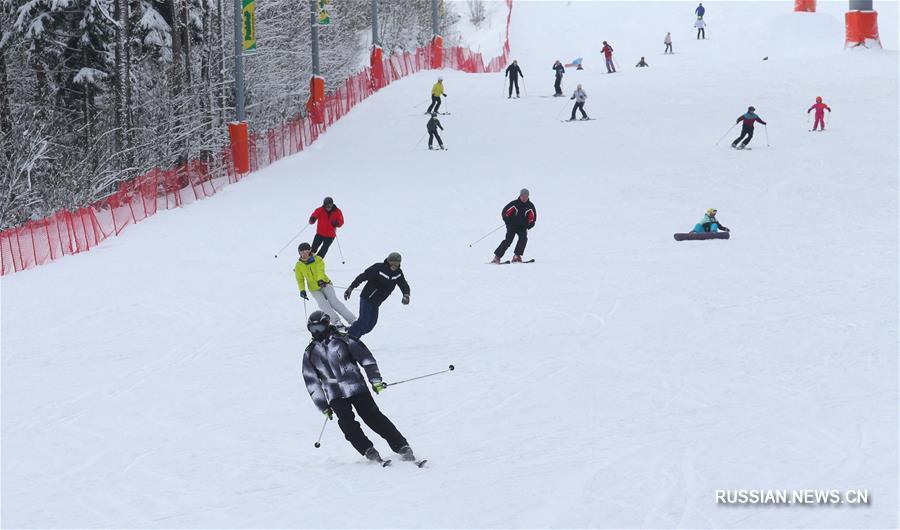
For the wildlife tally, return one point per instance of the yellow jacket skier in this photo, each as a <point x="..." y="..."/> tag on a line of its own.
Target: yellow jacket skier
<point x="436" y="92"/>
<point x="310" y="274"/>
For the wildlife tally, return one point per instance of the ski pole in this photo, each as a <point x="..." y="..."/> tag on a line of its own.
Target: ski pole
<point x="420" y="103"/>
<point x="766" y="127"/>
<point x="319" y="441"/>
<point x="304" y="310"/>
<point x="484" y="236"/>
<point x="524" y="88"/>
<point x="726" y="133"/>
<point x="450" y="369"/>
<point x="561" y="110"/>
<point x="341" y="252"/>
<point x="291" y="241"/>
<point x="420" y="141"/>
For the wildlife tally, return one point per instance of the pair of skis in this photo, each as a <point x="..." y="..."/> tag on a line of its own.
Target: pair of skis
<point x="507" y="262"/>
<point x="419" y="463"/>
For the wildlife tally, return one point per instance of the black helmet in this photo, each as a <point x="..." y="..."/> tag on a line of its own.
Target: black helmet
<point x="319" y="324"/>
<point x="328" y="201"/>
<point x="751" y="109"/>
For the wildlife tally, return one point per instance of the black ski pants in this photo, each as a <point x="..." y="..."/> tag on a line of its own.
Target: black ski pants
<point x="432" y="135"/>
<point x="701" y="30"/>
<point x="745" y="131"/>
<point x="324" y="242"/>
<point x="511" y="232"/>
<point x="557" y="86"/>
<point x="435" y="104"/>
<point x="373" y="417"/>
<point x="579" y="105"/>
<point x="668" y="49"/>
<point x="513" y="80"/>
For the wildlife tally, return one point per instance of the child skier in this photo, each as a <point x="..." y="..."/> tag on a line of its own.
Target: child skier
<point x="310" y="274"/>
<point x="641" y="64"/>
<point x="557" y="85"/>
<point x="329" y="218"/>
<point x="436" y="92"/>
<point x="709" y="223"/>
<point x="607" y="52"/>
<point x="380" y="278"/>
<point x="820" y="112"/>
<point x="701" y="27"/>
<point x="513" y="72"/>
<point x="519" y="215"/>
<point x="331" y="373"/>
<point x="668" y="42"/>
<point x="747" y="128"/>
<point x="580" y="96"/>
<point x="432" y="126"/>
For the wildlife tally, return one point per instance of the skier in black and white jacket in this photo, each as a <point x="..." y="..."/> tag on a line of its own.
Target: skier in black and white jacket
<point x="331" y="372"/>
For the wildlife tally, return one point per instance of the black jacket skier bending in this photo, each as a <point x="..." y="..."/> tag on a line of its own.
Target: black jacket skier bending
<point x="557" y="85"/>
<point x="335" y="384"/>
<point x="520" y="216"/>
<point x="432" y="126"/>
<point x="513" y="72"/>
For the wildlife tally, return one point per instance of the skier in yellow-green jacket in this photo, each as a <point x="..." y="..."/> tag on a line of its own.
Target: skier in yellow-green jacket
<point x="310" y="273"/>
<point x="436" y="92"/>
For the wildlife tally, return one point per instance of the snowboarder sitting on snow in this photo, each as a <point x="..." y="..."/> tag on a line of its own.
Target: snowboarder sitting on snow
<point x="432" y="126"/>
<point x="820" y="112"/>
<point x="641" y="64"/>
<point x="436" y="92"/>
<point x="380" y="278"/>
<point x="513" y="72"/>
<point x="519" y="215"/>
<point x="580" y="96"/>
<point x="331" y="372"/>
<point x="557" y="85"/>
<point x="747" y="128"/>
<point x="310" y="273"/>
<point x="709" y="223"/>
<point x="329" y="218"/>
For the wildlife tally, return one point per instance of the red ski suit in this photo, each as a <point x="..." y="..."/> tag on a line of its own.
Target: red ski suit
<point x="327" y="222"/>
<point x="820" y="114"/>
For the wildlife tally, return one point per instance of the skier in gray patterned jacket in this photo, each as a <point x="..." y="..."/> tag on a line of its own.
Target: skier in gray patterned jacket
<point x="332" y="376"/>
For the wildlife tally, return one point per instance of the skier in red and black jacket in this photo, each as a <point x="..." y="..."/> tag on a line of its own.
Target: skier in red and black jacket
<point x="520" y="215"/>
<point x="607" y="53"/>
<point x="330" y="218"/>
<point x="747" y="128"/>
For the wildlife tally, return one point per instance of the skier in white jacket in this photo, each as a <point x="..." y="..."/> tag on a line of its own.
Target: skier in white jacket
<point x="580" y="96"/>
<point x="668" y="42"/>
<point x="701" y="28"/>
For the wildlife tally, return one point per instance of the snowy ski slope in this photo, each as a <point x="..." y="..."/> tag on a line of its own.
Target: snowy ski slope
<point x="154" y="382"/>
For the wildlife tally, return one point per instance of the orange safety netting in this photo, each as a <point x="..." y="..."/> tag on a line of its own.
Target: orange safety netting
<point x="70" y="232"/>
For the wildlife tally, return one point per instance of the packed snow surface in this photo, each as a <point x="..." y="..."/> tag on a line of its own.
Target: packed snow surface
<point x="618" y="381"/>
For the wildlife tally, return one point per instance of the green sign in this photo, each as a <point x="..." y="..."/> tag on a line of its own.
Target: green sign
<point x="324" y="15"/>
<point x="248" y="28"/>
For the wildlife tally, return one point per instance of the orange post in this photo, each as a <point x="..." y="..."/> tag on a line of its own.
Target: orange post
<point x="437" y="52"/>
<point x="377" y="64"/>
<point x="240" y="146"/>
<point x="805" y="6"/>
<point x="862" y="29"/>
<point x="315" y="104"/>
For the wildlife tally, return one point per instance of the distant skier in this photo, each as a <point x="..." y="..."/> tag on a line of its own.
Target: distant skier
<point x="519" y="215"/>
<point x="329" y="218"/>
<point x="700" y="11"/>
<point x="436" y="92"/>
<point x="607" y="53"/>
<point x="709" y="223"/>
<point x="311" y="277"/>
<point x="749" y="118"/>
<point x="580" y="97"/>
<point x="668" y="42"/>
<point x="513" y="72"/>
<point x="820" y="112"/>
<point x="331" y="373"/>
<point x="557" y="85"/>
<point x="641" y="64"/>
<point x="432" y="126"/>
<point x="380" y="278"/>
<point x="701" y="28"/>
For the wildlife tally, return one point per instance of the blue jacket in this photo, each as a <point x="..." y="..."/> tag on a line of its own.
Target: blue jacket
<point x="700" y="11"/>
<point x="708" y="224"/>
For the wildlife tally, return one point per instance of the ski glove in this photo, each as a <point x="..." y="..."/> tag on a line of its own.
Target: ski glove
<point x="312" y="220"/>
<point x="347" y="294"/>
<point x="405" y="300"/>
<point x="303" y="295"/>
<point x="328" y="413"/>
<point x="378" y="386"/>
<point x="322" y="284"/>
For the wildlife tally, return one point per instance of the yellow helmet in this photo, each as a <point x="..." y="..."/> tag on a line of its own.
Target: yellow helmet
<point x="711" y="211"/>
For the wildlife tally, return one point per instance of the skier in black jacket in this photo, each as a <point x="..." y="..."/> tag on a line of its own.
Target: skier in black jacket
<point x="560" y="70"/>
<point x="331" y="373"/>
<point x="380" y="278"/>
<point x="520" y="215"/>
<point x="513" y="72"/>
<point x="432" y="126"/>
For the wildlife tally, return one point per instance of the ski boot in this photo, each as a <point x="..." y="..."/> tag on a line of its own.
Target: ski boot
<point x="373" y="456"/>
<point x="516" y="258"/>
<point x="585" y="118"/>
<point x="442" y="148"/>
<point x="430" y="148"/>
<point x="406" y="454"/>
<point x="496" y="260"/>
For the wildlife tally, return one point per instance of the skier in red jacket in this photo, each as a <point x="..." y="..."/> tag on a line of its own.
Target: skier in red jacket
<point x="607" y="52"/>
<point x="820" y="112"/>
<point x="329" y="218"/>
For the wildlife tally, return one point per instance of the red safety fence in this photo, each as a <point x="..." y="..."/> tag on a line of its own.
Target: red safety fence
<point x="70" y="232"/>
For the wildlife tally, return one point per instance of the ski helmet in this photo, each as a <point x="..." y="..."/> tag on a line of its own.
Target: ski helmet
<point x="818" y="99"/>
<point x="440" y="79"/>
<point x="524" y="192"/>
<point x="319" y="324"/>
<point x="751" y="108"/>
<point x="711" y="211"/>
<point x="394" y="257"/>
<point x="328" y="201"/>
<point x="302" y="247"/>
